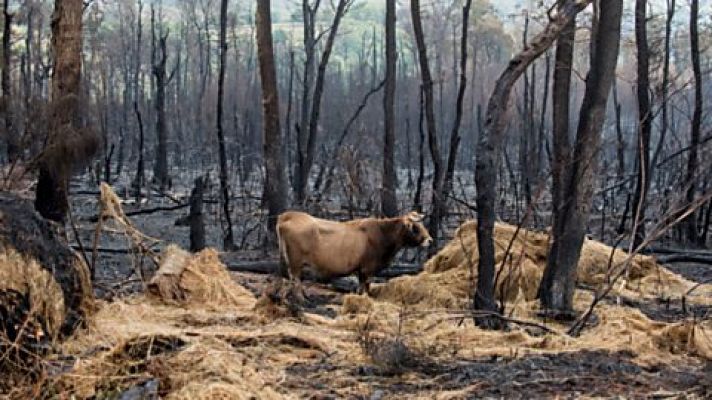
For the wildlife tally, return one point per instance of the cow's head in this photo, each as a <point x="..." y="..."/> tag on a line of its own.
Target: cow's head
<point x="415" y="232"/>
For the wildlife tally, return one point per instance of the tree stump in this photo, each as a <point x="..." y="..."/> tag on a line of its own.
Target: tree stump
<point x="195" y="218"/>
<point x="45" y="289"/>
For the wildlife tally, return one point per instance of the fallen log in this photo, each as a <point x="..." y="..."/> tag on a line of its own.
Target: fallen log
<point x="653" y="250"/>
<point x="271" y="266"/>
<point x="107" y="250"/>
<point x="685" y="258"/>
<point x="95" y="218"/>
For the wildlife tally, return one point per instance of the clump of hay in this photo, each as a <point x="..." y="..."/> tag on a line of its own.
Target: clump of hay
<point x="450" y="276"/>
<point x="33" y="315"/>
<point x="197" y="332"/>
<point x="201" y="279"/>
<point x="356" y="304"/>
<point x="24" y="275"/>
<point x="440" y="295"/>
<point x="685" y="337"/>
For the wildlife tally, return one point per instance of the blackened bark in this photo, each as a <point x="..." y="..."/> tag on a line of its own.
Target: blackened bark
<point x="620" y="139"/>
<point x="417" y="197"/>
<point x="645" y="122"/>
<point x="692" y="161"/>
<point x="228" y="239"/>
<point x="29" y="44"/>
<point x="309" y="39"/>
<point x="538" y="164"/>
<point x="455" y="134"/>
<point x="197" y="223"/>
<point x="52" y="186"/>
<point x="556" y="293"/>
<point x="140" y="177"/>
<point x="525" y="176"/>
<point x="275" y="190"/>
<point x="308" y="159"/>
<point x="560" y="143"/>
<point x="665" y="84"/>
<point x="488" y="148"/>
<point x="288" y="117"/>
<point x="13" y="147"/>
<point x="389" y="202"/>
<point x="160" y="166"/>
<point x="427" y="82"/>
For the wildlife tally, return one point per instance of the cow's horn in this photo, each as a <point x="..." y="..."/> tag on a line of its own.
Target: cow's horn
<point x="416" y="216"/>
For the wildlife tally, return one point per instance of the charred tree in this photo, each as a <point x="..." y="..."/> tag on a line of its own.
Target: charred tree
<point x="560" y="140"/>
<point x="462" y="87"/>
<point x="692" y="160"/>
<point x="69" y="142"/>
<point x="139" y="178"/>
<point x="195" y="218"/>
<point x="620" y="139"/>
<point x="417" y="196"/>
<point x="228" y="240"/>
<point x="557" y="287"/>
<point x="309" y="38"/>
<point x="665" y="90"/>
<point x="308" y="149"/>
<point x="275" y="189"/>
<point x="488" y="150"/>
<point x="389" y="201"/>
<point x="13" y="147"/>
<point x="161" y="79"/>
<point x="427" y="84"/>
<point x="645" y="122"/>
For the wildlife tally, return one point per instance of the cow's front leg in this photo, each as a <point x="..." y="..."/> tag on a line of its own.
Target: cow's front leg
<point x="297" y="288"/>
<point x="363" y="283"/>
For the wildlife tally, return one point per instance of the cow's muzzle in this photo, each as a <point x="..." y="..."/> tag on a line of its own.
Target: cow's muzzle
<point x="427" y="242"/>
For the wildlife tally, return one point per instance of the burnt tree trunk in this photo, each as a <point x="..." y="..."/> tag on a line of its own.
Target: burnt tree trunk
<point x="427" y="84"/>
<point x="455" y="134"/>
<point x="418" y="197"/>
<point x="620" y="139"/>
<point x="275" y="190"/>
<point x="195" y="218"/>
<point x="13" y="147"/>
<point x="557" y="289"/>
<point x="311" y="135"/>
<point x="645" y="122"/>
<point x="665" y="84"/>
<point x="160" y="166"/>
<point x="389" y="201"/>
<point x="228" y="239"/>
<point x="560" y="141"/>
<point x="140" y="177"/>
<point x="692" y="161"/>
<point x="309" y="39"/>
<point x="66" y="133"/>
<point x="488" y="149"/>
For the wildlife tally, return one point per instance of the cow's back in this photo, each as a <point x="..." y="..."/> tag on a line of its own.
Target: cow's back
<point x="332" y="248"/>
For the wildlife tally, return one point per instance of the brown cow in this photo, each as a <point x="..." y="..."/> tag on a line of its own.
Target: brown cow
<point x="334" y="249"/>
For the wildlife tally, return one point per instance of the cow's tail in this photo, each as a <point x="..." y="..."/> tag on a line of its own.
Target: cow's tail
<point x="283" y="253"/>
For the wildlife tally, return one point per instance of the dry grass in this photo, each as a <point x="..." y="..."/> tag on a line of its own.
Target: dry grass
<point x="204" y="336"/>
